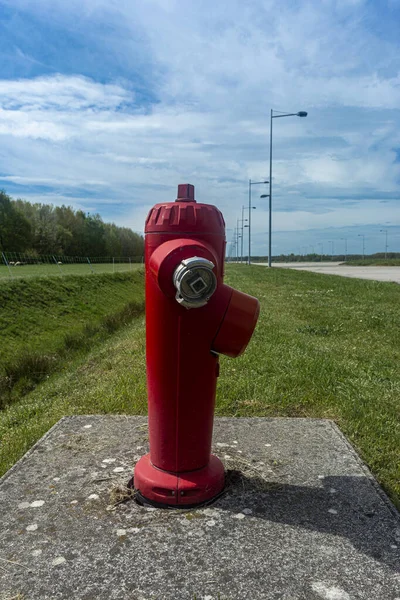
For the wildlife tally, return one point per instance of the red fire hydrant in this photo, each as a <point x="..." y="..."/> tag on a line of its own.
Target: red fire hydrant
<point x="191" y="317"/>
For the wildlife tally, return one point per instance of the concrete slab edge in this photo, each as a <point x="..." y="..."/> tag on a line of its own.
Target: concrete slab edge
<point x="33" y="448"/>
<point x="372" y="481"/>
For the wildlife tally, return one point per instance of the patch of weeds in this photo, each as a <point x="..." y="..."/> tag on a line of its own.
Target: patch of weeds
<point x="119" y="494"/>
<point x="75" y="341"/>
<point x="90" y="330"/>
<point x="193" y="515"/>
<point x="113" y="322"/>
<point x="23" y="373"/>
<point x="5" y="390"/>
<point x="30" y="365"/>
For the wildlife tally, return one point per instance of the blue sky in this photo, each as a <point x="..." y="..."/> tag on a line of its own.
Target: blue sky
<point x="108" y="105"/>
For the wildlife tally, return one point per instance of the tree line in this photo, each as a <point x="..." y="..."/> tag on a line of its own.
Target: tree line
<point x="47" y="229"/>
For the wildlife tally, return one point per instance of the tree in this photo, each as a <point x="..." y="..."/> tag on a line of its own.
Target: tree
<point x="46" y="229"/>
<point x="15" y="230"/>
<point x="94" y="236"/>
<point x="113" y="242"/>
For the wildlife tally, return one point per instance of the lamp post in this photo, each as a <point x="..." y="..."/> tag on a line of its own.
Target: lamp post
<point x="250" y="209"/>
<point x="232" y="250"/>
<point x="243" y="220"/>
<point x="241" y="249"/>
<point x="302" y="113"/>
<point x="247" y="226"/>
<point x="332" y="248"/>
<point x="238" y="237"/>
<point x="345" y="248"/>
<point x="385" y="231"/>
<point x="234" y="245"/>
<point x="322" y="249"/>
<point x="363" y="237"/>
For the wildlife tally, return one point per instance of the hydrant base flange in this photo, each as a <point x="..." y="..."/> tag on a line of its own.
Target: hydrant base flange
<point x="179" y="489"/>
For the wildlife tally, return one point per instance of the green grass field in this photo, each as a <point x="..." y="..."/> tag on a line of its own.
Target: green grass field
<point x="45" y="320"/>
<point x="48" y="269"/>
<point x="325" y="346"/>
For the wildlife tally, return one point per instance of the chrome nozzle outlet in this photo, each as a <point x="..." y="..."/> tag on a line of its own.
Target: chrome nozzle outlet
<point x="195" y="282"/>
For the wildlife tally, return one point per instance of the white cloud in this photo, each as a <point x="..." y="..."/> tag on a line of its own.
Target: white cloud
<point x="61" y="92"/>
<point x="216" y="71"/>
<point x="337" y="216"/>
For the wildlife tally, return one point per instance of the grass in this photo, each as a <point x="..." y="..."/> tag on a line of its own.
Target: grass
<point x="325" y="346"/>
<point x="374" y="262"/>
<point x="43" y="321"/>
<point x="48" y="269"/>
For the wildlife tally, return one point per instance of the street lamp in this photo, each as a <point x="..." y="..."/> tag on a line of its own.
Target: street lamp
<point x="363" y="237"/>
<point x="247" y="226"/>
<point x="345" y="248"/>
<point x="386" y="244"/>
<point x="233" y="248"/>
<point x="249" y="209"/>
<point x="231" y="251"/>
<point x="322" y="249"/>
<point x="332" y="248"/>
<point x="242" y="220"/>
<point x="301" y="113"/>
<point x="235" y="242"/>
<point x="239" y="231"/>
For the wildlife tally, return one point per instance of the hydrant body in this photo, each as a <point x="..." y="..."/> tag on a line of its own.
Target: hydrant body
<point x="191" y="317"/>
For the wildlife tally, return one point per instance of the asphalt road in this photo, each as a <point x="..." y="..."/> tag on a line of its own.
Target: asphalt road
<point x="335" y="268"/>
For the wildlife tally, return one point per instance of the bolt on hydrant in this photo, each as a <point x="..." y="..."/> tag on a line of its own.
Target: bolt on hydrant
<point x="191" y="318"/>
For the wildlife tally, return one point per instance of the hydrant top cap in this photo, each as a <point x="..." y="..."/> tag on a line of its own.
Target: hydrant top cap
<point x="185" y="193"/>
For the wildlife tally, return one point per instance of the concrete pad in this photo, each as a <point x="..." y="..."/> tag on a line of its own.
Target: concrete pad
<point x="301" y="519"/>
<point x="375" y="273"/>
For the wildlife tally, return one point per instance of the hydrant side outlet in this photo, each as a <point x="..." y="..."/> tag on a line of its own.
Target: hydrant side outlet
<point x="191" y="317"/>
